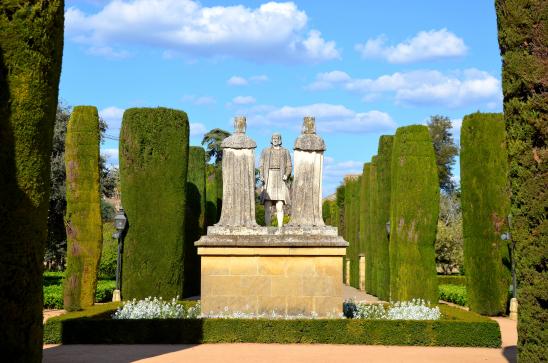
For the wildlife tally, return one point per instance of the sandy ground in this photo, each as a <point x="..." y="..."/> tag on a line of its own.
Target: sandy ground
<point x="282" y="353"/>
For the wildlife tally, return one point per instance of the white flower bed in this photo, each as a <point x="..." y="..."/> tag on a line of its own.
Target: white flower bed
<point x="156" y="308"/>
<point x="416" y="309"/>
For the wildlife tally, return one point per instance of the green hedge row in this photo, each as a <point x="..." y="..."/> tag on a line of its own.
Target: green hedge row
<point x="83" y="216"/>
<point x="453" y="293"/>
<point x="523" y="42"/>
<point x="458" y="328"/>
<point x="413" y="215"/>
<point x="31" y="44"/>
<point x="53" y="294"/>
<point x="382" y="215"/>
<point x="365" y="247"/>
<point x="452" y="280"/>
<point x="195" y="222"/>
<point x="352" y="226"/>
<point x="485" y="205"/>
<point x="153" y="175"/>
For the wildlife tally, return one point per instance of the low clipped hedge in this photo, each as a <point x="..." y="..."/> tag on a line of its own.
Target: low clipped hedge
<point x="452" y="280"/>
<point x="53" y="294"/>
<point x="458" y="328"/>
<point x="453" y="293"/>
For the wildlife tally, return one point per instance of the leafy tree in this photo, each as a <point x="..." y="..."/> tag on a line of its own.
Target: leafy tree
<point x="449" y="239"/>
<point x="213" y="140"/>
<point x="445" y="148"/>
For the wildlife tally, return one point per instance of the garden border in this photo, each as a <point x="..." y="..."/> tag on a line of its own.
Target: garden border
<point x="458" y="328"/>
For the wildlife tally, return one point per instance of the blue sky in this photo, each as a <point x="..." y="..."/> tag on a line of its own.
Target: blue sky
<point x="362" y="68"/>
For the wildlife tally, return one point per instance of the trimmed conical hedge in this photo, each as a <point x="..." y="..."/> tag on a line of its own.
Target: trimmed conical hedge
<point x="365" y="220"/>
<point x="31" y="48"/>
<point x="195" y="224"/>
<point x="523" y="42"/>
<point x="485" y="206"/>
<point x="382" y="215"/>
<point x="339" y="201"/>
<point x="83" y="217"/>
<point x="153" y="176"/>
<point x="413" y="215"/>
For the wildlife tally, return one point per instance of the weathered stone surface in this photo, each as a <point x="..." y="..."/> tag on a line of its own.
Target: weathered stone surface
<point x="238" y="178"/>
<point x="292" y="283"/>
<point x="306" y="206"/>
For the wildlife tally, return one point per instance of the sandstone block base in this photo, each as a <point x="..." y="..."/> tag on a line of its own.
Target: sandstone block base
<point x="266" y="280"/>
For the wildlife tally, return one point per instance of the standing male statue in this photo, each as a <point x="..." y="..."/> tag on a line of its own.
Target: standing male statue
<point x="274" y="169"/>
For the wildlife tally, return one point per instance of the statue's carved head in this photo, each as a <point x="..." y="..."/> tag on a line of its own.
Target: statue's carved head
<point x="276" y="139"/>
<point x="239" y="124"/>
<point x="309" y="125"/>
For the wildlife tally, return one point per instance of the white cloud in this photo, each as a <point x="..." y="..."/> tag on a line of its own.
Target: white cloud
<point x="237" y="81"/>
<point x="197" y="129"/>
<point x="274" y="31"/>
<point x="456" y="125"/>
<point x="454" y="89"/>
<point x="326" y="80"/>
<point x="108" y="52"/>
<point x="424" y="45"/>
<point x="199" y="100"/>
<point x="113" y="117"/>
<point x="334" y="172"/>
<point x="329" y="118"/>
<point x="242" y="81"/>
<point x="243" y="100"/>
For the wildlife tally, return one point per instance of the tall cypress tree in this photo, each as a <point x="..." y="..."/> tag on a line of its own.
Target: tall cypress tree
<point x="195" y="223"/>
<point x="83" y="222"/>
<point x="382" y="215"/>
<point x="365" y="225"/>
<point x="413" y="215"/>
<point x="373" y="226"/>
<point x="153" y="176"/>
<point x="523" y="42"/>
<point x="31" y="47"/>
<point x="485" y="206"/>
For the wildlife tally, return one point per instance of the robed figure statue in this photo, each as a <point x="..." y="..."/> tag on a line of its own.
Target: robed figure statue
<point x="274" y="170"/>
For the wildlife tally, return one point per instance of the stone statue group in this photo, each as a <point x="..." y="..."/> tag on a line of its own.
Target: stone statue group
<point x="275" y="169"/>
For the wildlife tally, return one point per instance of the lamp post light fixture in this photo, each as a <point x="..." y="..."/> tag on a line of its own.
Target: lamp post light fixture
<point x="387" y="225"/>
<point x="120" y="222"/>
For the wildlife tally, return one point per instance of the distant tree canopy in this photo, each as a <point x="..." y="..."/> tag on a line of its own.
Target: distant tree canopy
<point x="212" y="141"/>
<point x="445" y="148"/>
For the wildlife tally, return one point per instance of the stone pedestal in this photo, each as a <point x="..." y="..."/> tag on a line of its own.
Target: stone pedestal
<point x="288" y="271"/>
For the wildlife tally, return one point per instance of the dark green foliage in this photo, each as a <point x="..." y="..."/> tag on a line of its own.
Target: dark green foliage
<point x="195" y="223"/>
<point x="31" y="47"/>
<point x="458" y="328"/>
<point x="523" y="41"/>
<point x="365" y="226"/>
<point x="449" y="240"/>
<point x="382" y="215"/>
<point x="445" y="148"/>
<point x="339" y="201"/>
<point x="214" y="194"/>
<point x="329" y="212"/>
<point x="413" y="216"/>
<point x="374" y="227"/>
<point x="109" y="253"/>
<point x="452" y="280"/>
<point x="485" y="206"/>
<point x="153" y="176"/>
<point x="352" y="226"/>
<point x="453" y="293"/>
<point x="83" y="217"/>
<point x="213" y="140"/>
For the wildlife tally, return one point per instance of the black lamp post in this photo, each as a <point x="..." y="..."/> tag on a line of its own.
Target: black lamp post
<point x="387" y="225"/>
<point x="120" y="222"/>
